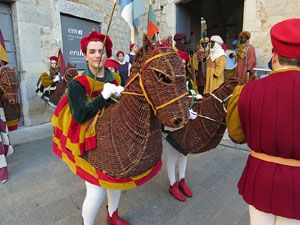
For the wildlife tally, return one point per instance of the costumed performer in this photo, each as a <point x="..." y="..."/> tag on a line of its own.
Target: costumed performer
<point x="113" y="66"/>
<point x="265" y="114"/>
<point x="48" y="80"/>
<point x="179" y="189"/>
<point x="246" y="58"/>
<point x="74" y="134"/>
<point x="215" y="65"/>
<point x="130" y="56"/>
<point x="124" y="67"/>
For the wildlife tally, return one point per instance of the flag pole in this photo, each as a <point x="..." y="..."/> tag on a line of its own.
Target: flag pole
<point x="104" y="42"/>
<point x="157" y="36"/>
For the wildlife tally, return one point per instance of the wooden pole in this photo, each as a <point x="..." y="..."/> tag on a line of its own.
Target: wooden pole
<point x="104" y="42"/>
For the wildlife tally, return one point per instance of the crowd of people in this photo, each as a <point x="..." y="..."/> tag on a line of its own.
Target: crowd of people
<point x="269" y="183"/>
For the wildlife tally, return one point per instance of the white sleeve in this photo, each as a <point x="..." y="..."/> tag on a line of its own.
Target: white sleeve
<point x="126" y="58"/>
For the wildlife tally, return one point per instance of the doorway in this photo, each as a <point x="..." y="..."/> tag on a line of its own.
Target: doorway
<point x="223" y="18"/>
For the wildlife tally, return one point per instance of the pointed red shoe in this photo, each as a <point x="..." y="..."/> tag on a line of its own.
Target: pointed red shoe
<point x="176" y="193"/>
<point x="115" y="219"/>
<point x="184" y="188"/>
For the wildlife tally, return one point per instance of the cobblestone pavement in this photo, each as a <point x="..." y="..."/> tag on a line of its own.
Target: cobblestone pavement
<point x="41" y="190"/>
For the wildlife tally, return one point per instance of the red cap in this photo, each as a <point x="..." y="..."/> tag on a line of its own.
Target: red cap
<point x="53" y="58"/>
<point x="185" y="56"/>
<point x="163" y="42"/>
<point x="131" y="46"/>
<point x="96" y="36"/>
<point x="285" y="37"/>
<point x="112" y="63"/>
<point x="120" y="52"/>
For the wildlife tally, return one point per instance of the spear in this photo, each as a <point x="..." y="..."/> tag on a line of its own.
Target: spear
<point x="203" y="35"/>
<point x="104" y="42"/>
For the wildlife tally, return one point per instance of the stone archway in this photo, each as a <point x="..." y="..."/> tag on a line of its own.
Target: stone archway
<point x="223" y="17"/>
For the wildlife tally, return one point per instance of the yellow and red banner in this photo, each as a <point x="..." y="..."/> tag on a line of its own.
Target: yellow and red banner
<point x="61" y="62"/>
<point x="3" y="54"/>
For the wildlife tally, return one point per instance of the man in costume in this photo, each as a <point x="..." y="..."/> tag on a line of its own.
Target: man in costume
<point x="123" y="68"/>
<point x="179" y="189"/>
<point x="246" y="58"/>
<point x="192" y="64"/>
<point x="48" y="80"/>
<point x="265" y="114"/>
<point x="215" y="65"/>
<point x="113" y="66"/>
<point x="130" y="56"/>
<point x="72" y="122"/>
<point x="202" y="52"/>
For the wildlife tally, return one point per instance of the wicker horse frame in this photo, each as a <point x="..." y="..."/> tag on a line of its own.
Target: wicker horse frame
<point x="9" y="86"/>
<point x="207" y="130"/>
<point x="60" y="91"/>
<point x="129" y="134"/>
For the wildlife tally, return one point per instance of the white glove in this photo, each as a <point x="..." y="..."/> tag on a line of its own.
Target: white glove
<point x="193" y="114"/>
<point x="198" y="96"/>
<point x="108" y="90"/>
<point x="56" y="79"/>
<point x="118" y="90"/>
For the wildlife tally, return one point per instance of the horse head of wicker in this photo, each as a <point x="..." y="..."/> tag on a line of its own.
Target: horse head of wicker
<point x="9" y="85"/>
<point x="60" y="91"/>
<point x="206" y="131"/>
<point x="159" y="73"/>
<point x="70" y="72"/>
<point x="129" y="133"/>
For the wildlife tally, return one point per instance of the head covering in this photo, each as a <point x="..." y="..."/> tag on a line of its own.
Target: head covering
<point x="131" y="46"/>
<point x="112" y="63"/>
<point x="217" y="38"/>
<point x="53" y="58"/>
<point x="96" y="36"/>
<point x="285" y="37"/>
<point x="235" y="42"/>
<point x="185" y="56"/>
<point x="179" y="36"/>
<point x="163" y="42"/>
<point x="247" y="33"/>
<point x="120" y="52"/>
<point x="217" y="51"/>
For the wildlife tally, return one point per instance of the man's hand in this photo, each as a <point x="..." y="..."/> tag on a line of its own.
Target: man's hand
<point x="193" y="114"/>
<point x="118" y="90"/>
<point x="56" y="79"/>
<point x="108" y="90"/>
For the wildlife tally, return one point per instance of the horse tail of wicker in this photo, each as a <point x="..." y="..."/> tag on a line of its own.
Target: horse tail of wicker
<point x="206" y="131"/>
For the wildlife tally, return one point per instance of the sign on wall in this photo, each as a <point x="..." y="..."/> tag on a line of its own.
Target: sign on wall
<point x="73" y="29"/>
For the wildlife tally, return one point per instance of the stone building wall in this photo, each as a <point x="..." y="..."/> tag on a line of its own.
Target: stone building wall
<point x="260" y="16"/>
<point x="37" y="30"/>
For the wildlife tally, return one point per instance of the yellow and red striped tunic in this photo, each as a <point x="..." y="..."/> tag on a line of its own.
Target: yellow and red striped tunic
<point x="71" y="140"/>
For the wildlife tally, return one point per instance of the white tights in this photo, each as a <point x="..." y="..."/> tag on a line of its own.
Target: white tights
<point x="258" y="217"/>
<point x="172" y="157"/>
<point x="93" y="200"/>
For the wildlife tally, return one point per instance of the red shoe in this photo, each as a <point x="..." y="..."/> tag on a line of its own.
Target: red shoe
<point x="115" y="219"/>
<point x="176" y="193"/>
<point x="185" y="189"/>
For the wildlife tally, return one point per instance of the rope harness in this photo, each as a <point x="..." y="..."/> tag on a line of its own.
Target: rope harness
<point x="139" y="75"/>
<point x="219" y="100"/>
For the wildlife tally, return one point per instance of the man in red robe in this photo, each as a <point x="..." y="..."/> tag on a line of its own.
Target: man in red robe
<point x="266" y="115"/>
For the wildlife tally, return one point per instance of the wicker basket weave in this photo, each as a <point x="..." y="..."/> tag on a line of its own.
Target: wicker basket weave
<point x="203" y="134"/>
<point x="129" y="140"/>
<point x="56" y="95"/>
